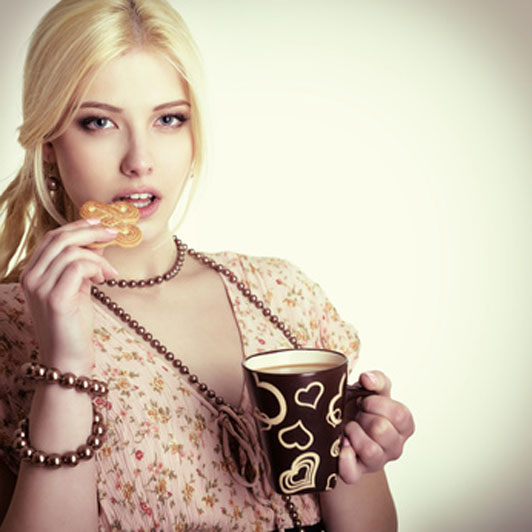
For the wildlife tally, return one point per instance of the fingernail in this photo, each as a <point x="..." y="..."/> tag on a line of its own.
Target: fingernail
<point x="92" y="221"/>
<point x="372" y="377"/>
<point x="112" y="230"/>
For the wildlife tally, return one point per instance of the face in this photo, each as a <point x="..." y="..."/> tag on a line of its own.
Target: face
<point x="131" y="140"/>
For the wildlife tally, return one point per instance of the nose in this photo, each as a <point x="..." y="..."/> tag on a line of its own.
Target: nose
<point x="137" y="161"/>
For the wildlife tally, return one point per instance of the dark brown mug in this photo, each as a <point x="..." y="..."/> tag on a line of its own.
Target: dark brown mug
<point x="299" y="398"/>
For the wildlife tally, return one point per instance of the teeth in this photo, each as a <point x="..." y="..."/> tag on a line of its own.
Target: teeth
<point x="142" y="196"/>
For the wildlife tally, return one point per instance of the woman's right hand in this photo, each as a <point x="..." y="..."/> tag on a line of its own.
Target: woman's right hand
<point x="57" y="283"/>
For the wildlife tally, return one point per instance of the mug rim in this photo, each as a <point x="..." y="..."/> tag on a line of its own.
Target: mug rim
<point x="344" y="361"/>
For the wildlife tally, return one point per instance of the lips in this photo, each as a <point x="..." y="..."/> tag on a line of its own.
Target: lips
<point x="146" y="200"/>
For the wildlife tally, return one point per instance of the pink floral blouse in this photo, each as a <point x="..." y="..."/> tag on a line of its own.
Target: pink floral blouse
<point x="161" y="467"/>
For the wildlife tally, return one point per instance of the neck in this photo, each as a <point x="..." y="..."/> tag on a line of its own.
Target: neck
<point x="150" y="258"/>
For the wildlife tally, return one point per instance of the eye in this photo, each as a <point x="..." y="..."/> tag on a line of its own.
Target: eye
<point x="95" y="123"/>
<point x="174" y="120"/>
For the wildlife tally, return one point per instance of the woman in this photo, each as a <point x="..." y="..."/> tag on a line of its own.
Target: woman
<point x="111" y="113"/>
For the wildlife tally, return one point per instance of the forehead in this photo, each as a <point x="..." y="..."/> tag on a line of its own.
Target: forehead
<point x="137" y="78"/>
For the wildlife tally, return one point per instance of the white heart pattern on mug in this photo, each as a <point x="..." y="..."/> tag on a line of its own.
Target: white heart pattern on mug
<point x="302" y="473"/>
<point x="296" y="435"/>
<point x="304" y="396"/>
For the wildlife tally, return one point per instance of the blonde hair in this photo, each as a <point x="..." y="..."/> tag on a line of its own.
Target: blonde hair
<point x="71" y="43"/>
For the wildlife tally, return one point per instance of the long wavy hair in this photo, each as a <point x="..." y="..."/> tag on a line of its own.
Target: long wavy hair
<point x="71" y="43"/>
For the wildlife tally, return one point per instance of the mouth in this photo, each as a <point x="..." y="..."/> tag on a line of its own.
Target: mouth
<point x="140" y="200"/>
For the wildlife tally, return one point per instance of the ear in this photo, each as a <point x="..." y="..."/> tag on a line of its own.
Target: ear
<point x="48" y="153"/>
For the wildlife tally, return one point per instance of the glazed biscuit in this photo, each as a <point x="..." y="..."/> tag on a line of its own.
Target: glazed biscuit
<point x="121" y="215"/>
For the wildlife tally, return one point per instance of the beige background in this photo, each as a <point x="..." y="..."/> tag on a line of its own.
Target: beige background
<point x="383" y="146"/>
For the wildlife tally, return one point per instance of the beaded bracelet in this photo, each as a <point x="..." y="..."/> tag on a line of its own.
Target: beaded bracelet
<point x="39" y="372"/>
<point x="93" y="387"/>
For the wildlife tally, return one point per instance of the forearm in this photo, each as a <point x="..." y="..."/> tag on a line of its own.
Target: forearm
<point x="56" y="499"/>
<point x="366" y="506"/>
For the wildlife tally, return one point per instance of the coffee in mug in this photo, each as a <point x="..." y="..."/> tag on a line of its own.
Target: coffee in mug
<point x="299" y="397"/>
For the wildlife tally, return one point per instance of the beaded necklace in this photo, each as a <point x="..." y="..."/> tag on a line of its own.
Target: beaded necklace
<point x="234" y="417"/>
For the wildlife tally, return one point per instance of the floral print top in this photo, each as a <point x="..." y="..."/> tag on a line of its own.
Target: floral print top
<point x="162" y="467"/>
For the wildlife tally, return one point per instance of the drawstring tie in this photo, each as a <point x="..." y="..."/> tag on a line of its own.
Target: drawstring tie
<point x="243" y="454"/>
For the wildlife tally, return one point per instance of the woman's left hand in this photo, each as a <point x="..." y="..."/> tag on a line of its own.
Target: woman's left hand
<point x="378" y="432"/>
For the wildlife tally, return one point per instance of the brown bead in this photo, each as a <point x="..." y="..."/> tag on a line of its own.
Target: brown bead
<point x="26" y="453"/>
<point x="177" y="363"/>
<point x="85" y="452"/>
<point x="274" y="319"/>
<point x="39" y="372"/>
<point x="266" y="311"/>
<point x="169" y="356"/>
<point x="94" y="441"/>
<point x="52" y="375"/>
<point x="27" y="369"/>
<point x="132" y="284"/>
<point x="53" y="461"/>
<point x="246" y="292"/>
<point x="97" y="417"/>
<point x="184" y="370"/>
<point x="122" y="283"/>
<point x="161" y="349"/>
<point x="20" y="433"/>
<point x="20" y="443"/>
<point x="133" y="324"/>
<point x="67" y="380"/>
<point x="38" y="458"/>
<point x="281" y="326"/>
<point x="155" y="343"/>
<point x="83" y="383"/>
<point x="70" y="459"/>
<point x="98" y="429"/>
<point x="193" y="379"/>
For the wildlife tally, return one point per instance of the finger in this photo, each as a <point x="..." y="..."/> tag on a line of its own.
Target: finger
<point x="397" y="413"/>
<point x="48" y="237"/>
<point x="368" y="451"/>
<point x="70" y="283"/>
<point x="381" y="431"/>
<point x="82" y="235"/>
<point x="376" y="381"/>
<point x="350" y="468"/>
<point x="64" y="259"/>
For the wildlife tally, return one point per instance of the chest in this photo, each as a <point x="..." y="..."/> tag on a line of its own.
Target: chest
<point x="197" y="324"/>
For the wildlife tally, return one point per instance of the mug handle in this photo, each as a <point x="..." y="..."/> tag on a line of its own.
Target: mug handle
<point x="354" y="392"/>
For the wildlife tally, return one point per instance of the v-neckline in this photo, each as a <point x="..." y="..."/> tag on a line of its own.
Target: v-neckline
<point x="243" y="397"/>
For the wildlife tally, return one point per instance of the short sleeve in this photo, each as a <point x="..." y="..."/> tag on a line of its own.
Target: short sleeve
<point x="16" y="346"/>
<point x="301" y="303"/>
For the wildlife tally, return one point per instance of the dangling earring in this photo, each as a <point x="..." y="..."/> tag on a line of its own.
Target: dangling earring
<point x="52" y="182"/>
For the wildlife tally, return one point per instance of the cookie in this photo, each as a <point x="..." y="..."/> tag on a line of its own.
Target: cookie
<point x="121" y="215"/>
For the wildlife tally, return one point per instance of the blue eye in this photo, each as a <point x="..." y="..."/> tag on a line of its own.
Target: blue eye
<point x="94" y="123"/>
<point x="175" y="120"/>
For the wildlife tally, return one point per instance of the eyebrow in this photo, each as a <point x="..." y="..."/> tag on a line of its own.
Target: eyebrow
<point x="113" y="109"/>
